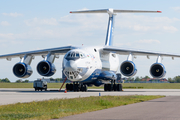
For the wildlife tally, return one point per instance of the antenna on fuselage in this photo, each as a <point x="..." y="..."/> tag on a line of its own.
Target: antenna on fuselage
<point x="111" y="13"/>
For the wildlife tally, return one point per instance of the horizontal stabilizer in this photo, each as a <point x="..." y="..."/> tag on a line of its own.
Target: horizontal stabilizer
<point x="114" y="11"/>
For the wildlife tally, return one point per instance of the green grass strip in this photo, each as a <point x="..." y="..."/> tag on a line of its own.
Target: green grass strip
<point x="57" y="108"/>
<point x="125" y="85"/>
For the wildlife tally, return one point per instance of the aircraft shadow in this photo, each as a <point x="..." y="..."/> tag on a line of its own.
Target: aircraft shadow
<point x="90" y="90"/>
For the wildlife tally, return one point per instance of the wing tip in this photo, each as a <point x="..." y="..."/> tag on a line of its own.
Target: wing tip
<point x="159" y="11"/>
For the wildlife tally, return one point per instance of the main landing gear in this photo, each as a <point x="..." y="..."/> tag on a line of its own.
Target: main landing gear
<point x="76" y="87"/>
<point x="113" y="86"/>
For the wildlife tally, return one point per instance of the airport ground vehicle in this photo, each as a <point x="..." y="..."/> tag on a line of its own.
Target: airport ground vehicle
<point x="40" y="85"/>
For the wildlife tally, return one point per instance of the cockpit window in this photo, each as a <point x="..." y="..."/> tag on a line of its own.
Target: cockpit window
<point x="73" y="56"/>
<point x="68" y="55"/>
<point x="77" y="54"/>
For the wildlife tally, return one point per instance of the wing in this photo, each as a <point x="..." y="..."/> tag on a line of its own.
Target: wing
<point x="138" y="52"/>
<point x="56" y="51"/>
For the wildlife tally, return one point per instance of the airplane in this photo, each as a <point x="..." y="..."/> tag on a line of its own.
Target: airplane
<point x="85" y="66"/>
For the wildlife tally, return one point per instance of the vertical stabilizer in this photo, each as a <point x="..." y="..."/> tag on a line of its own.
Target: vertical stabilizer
<point x="111" y="12"/>
<point x="109" y="35"/>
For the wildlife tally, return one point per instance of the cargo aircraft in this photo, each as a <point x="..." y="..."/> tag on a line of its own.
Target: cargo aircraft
<point x="86" y="66"/>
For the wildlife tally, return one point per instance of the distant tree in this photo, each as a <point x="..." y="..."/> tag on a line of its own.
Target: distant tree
<point x="137" y="79"/>
<point x="130" y="79"/>
<point x="146" y="77"/>
<point x="57" y="79"/>
<point x="19" y="81"/>
<point x="5" y="80"/>
<point x="176" y="79"/>
<point x="26" y="81"/>
<point x="171" y="80"/>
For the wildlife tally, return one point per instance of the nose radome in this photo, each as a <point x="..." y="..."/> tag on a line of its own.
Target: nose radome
<point x="71" y="66"/>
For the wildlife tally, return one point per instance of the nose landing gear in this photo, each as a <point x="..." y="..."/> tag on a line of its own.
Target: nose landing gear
<point x="76" y="87"/>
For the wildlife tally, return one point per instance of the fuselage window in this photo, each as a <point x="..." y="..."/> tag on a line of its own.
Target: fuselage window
<point x="95" y="50"/>
<point x="82" y="55"/>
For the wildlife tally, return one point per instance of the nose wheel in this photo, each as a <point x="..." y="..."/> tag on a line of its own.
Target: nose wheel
<point x="76" y="87"/>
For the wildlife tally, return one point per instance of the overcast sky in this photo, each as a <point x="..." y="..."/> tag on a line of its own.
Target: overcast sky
<point x="40" y="24"/>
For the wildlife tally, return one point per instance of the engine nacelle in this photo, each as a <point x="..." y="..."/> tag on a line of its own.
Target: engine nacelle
<point x="45" y="68"/>
<point x="157" y="70"/>
<point x="128" y="68"/>
<point x="22" y="70"/>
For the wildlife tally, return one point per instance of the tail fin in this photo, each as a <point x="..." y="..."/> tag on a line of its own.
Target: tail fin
<point x="111" y="13"/>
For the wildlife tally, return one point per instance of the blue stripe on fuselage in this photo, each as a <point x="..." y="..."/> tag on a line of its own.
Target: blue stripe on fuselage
<point x="99" y="75"/>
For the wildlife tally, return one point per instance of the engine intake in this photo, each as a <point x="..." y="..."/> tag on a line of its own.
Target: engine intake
<point x="128" y="68"/>
<point x="45" y="68"/>
<point x="22" y="70"/>
<point x="157" y="70"/>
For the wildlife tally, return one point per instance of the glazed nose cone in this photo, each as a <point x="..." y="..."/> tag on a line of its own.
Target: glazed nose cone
<point x="71" y="66"/>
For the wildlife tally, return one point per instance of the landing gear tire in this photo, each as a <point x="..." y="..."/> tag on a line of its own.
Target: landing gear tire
<point x="109" y="87"/>
<point x="105" y="87"/>
<point x="114" y="87"/>
<point x="76" y="88"/>
<point x="119" y="87"/>
<point x="67" y="87"/>
<point x="71" y="87"/>
<point x="84" y="88"/>
<point x="81" y="87"/>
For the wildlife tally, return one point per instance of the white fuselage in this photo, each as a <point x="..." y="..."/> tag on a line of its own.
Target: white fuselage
<point x="80" y="64"/>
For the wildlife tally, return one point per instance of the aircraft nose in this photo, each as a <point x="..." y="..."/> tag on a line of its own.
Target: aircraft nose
<point x="71" y="70"/>
<point x="71" y="66"/>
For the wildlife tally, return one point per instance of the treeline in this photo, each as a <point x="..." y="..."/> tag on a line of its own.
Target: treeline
<point x="137" y="78"/>
<point x="174" y="80"/>
<point x="21" y="81"/>
<point x="171" y="80"/>
<point x="5" y="80"/>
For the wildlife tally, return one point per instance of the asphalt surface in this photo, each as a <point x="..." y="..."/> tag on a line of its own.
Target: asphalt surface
<point x="11" y="96"/>
<point x="166" y="108"/>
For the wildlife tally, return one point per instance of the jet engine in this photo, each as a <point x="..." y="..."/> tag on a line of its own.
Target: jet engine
<point x="128" y="68"/>
<point x="157" y="70"/>
<point x="46" y="68"/>
<point x="22" y="70"/>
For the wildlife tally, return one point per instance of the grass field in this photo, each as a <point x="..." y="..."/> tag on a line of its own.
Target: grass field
<point x="53" y="109"/>
<point x="125" y="85"/>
